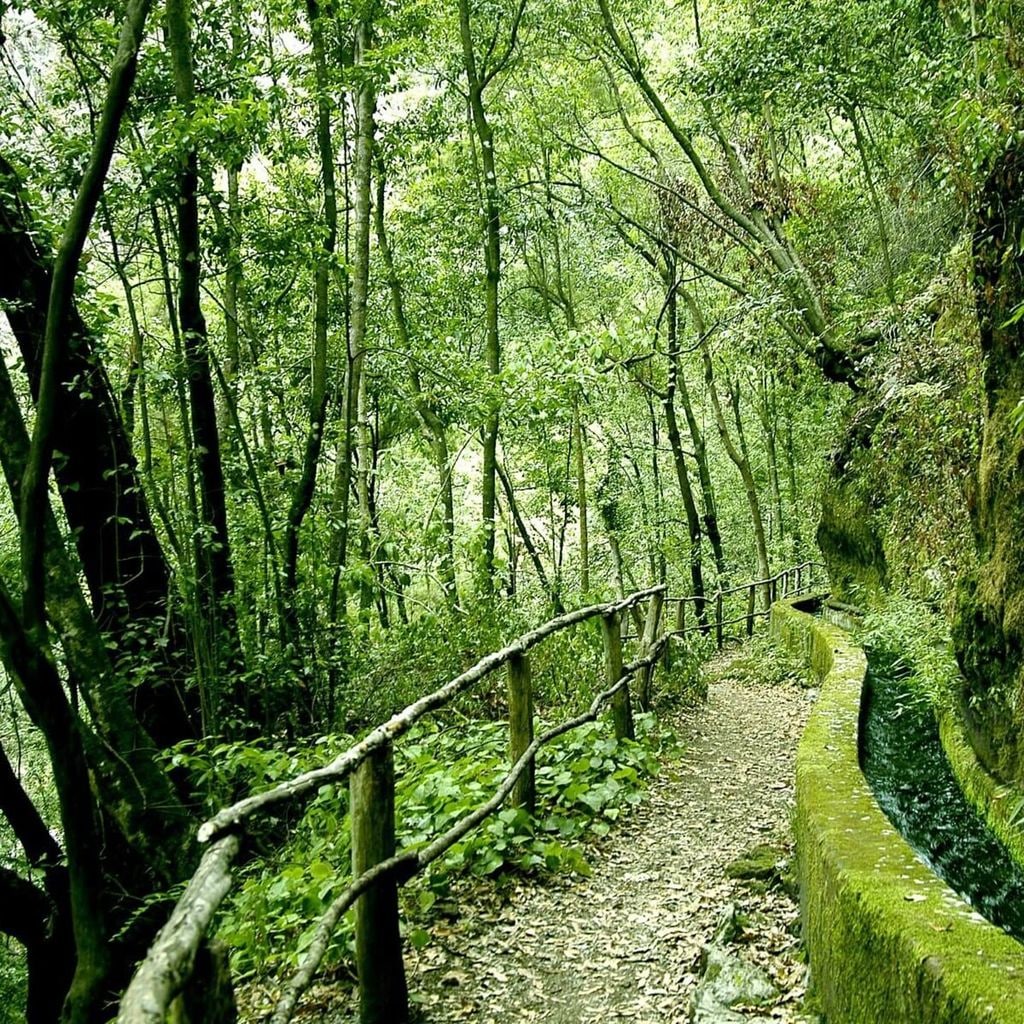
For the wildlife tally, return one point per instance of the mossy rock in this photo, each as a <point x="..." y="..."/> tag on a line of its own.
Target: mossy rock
<point x="763" y="862"/>
<point x="998" y="804"/>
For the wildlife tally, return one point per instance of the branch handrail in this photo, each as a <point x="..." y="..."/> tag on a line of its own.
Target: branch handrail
<point x="740" y="587"/>
<point x="167" y="966"/>
<point x="408" y="863"/>
<point x="350" y="759"/>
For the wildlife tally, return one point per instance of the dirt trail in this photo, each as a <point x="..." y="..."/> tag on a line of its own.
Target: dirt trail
<point x="624" y="944"/>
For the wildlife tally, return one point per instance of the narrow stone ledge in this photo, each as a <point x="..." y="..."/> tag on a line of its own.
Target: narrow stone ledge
<point x="888" y="941"/>
<point x="996" y="803"/>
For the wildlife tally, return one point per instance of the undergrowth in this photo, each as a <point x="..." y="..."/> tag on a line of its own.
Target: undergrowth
<point x="914" y="639"/>
<point x="586" y="779"/>
<point x="762" y="660"/>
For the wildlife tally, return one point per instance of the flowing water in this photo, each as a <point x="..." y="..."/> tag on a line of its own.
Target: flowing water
<point x="903" y="759"/>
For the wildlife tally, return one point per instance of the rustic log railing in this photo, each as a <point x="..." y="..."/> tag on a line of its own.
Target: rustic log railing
<point x="730" y="606"/>
<point x="377" y="868"/>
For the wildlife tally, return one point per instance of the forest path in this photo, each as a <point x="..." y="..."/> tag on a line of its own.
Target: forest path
<point x="624" y="944"/>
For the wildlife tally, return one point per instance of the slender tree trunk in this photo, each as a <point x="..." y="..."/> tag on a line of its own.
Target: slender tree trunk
<point x="357" y="257"/>
<point x="215" y="580"/>
<point x="738" y="458"/>
<point x="767" y="414"/>
<point x="366" y="100"/>
<point x="492" y="263"/>
<point x="679" y="459"/>
<point x="700" y="457"/>
<point x="233" y="272"/>
<point x="302" y="497"/>
<point x="433" y="426"/>
<point x="531" y="548"/>
<point x="581" y="495"/>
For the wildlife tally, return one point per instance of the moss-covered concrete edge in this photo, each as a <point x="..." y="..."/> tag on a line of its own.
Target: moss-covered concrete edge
<point x="887" y="939"/>
<point x="996" y="803"/>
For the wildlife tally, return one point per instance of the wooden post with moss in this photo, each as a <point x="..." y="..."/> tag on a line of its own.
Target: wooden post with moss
<point x="383" y="996"/>
<point x="622" y="710"/>
<point x="650" y="637"/>
<point x="520" y="728"/>
<point x="751" y="599"/>
<point x="719" y="616"/>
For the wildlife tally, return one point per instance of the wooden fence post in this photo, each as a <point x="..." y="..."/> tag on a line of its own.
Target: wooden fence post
<point x="799" y="574"/>
<point x="520" y="728"/>
<point x="751" y="598"/>
<point x="622" y="709"/>
<point x="719" y="615"/>
<point x="383" y="996"/>
<point x="643" y="696"/>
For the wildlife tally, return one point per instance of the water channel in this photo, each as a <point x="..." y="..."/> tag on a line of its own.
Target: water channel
<point x="906" y="766"/>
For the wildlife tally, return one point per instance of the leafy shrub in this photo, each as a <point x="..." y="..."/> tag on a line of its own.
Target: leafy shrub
<point x="13" y="981"/>
<point x="914" y="637"/>
<point x="444" y="769"/>
<point x="766" y="662"/>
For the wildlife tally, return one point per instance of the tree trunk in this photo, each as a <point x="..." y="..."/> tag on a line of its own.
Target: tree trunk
<point x="484" y="134"/>
<point x="366" y="101"/>
<point x="302" y="497"/>
<point x="767" y="413"/>
<point x="679" y="458"/>
<point x="700" y="458"/>
<point x="531" y="548"/>
<point x="97" y="476"/>
<point x="214" y="576"/>
<point x="581" y="495"/>
<point x="737" y="456"/>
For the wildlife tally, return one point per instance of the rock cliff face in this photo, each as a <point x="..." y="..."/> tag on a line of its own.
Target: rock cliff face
<point x="925" y="490"/>
<point x="989" y="623"/>
<point x="894" y="505"/>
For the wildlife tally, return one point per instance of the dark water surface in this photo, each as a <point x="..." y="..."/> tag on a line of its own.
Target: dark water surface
<point x="905" y="764"/>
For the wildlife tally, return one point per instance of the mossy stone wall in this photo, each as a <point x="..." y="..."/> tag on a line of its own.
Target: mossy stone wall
<point x="999" y="805"/>
<point x="887" y="939"/>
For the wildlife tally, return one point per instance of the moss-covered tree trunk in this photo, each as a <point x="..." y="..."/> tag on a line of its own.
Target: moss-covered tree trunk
<point x="989" y="627"/>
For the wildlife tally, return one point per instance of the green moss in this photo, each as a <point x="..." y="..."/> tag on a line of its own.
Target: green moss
<point x="999" y="805"/>
<point x="887" y="939"/>
<point x="851" y="547"/>
<point x="988" y="680"/>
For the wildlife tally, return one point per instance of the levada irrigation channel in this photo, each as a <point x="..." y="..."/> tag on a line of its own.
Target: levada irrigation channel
<point x="905" y="764"/>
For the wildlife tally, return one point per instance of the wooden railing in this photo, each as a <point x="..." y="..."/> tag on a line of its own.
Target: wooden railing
<point x="377" y="868"/>
<point x="731" y="606"/>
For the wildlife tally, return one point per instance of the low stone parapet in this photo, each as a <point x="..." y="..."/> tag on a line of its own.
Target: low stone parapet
<point x="888" y="941"/>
